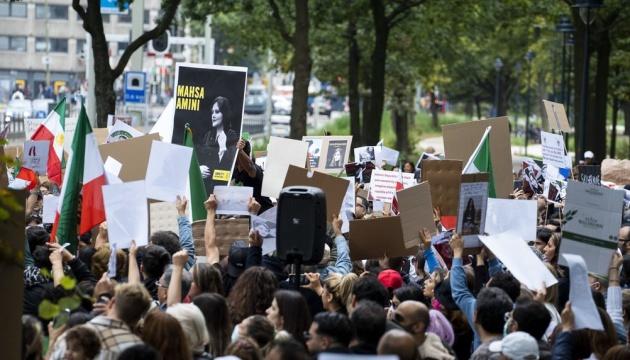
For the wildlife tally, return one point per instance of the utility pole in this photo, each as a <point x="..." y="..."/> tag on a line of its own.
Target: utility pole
<point x="137" y="29"/>
<point x="91" y="80"/>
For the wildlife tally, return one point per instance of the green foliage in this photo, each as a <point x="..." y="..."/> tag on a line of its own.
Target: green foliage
<point x="68" y="283"/>
<point x="69" y="302"/>
<point x="47" y="310"/>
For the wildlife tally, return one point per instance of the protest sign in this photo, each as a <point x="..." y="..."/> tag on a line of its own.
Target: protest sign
<point x="378" y="237"/>
<point x="121" y="131"/>
<point x="461" y="140"/>
<point x="163" y="217"/>
<point x="112" y="168"/>
<point x="590" y="174"/>
<point x="230" y="230"/>
<point x="384" y="155"/>
<point x="593" y="218"/>
<point x="553" y="150"/>
<point x="557" y="116"/>
<point x="133" y="154"/>
<point x="616" y="171"/>
<point x="30" y="125"/>
<point x="348" y="205"/>
<point x="127" y="213"/>
<point x="212" y="100"/>
<point x="281" y="153"/>
<point x="444" y="177"/>
<point x="35" y="156"/>
<point x="167" y="171"/>
<point x="515" y="254"/>
<point x="584" y="309"/>
<point x="533" y="179"/>
<point x="265" y="224"/>
<point x="164" y="124"/>
<point x="416" y="212"/>
<point x="364" y="154"/>
<point x="49" y="209"/>
<point x="425" y="156"/>
<point x="334" y="187"/>
<point x="383" y="184"/>
<point x="518" y="216"/>
<point x="69" y="127"/>
<point x="328" y="153"/>
<point x="233" y="200"/>
<point x="473" y="200"/>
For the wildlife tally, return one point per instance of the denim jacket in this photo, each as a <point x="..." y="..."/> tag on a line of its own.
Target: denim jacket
<point x="186" y="240"/>
<point x="343" y="265"/>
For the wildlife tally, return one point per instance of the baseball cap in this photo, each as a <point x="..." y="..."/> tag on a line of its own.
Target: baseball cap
<point x="588" y="154"/>
<point x="517" y="346"/>
<point x="391" y="279"/>
<point x="236" y="258"/>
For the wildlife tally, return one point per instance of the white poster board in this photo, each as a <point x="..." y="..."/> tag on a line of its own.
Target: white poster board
<point x="233" y="200"/>
<point x="127" y="213"/>
<point x="35" y="156"/>
<point x="553" y="150"/>
<point x="167" y="171"/>
<point x="281" y="153"/>
<point x="518" y="216"/>
<point x="51" y="202"/>
<point x="383" y="184"/>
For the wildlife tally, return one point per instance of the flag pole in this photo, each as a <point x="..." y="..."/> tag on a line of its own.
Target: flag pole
<point x="474" y="154"/>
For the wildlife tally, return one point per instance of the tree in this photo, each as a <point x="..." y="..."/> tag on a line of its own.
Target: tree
<point x="105" y="75"/>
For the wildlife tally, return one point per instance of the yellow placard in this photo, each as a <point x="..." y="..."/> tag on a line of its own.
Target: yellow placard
<point x="221" y="175"/>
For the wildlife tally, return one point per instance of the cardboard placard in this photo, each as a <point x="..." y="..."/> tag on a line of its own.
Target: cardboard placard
<point x="333" y="187"/>
<point x="557" y="116"/>
<point x="590" y="174"/>
<point x="416" y="212"/>
<point x="328" y="153"/>
<point x="460" y="141"/>
<point x="444" y="177"/>
<point x="616" y="171"/>
<point x="227" y="232"/>
<point x="378" y="237"/>
<point x="133" y="154"/>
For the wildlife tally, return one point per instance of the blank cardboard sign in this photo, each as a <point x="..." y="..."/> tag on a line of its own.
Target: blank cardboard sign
<point x="378" y="237"/>
<point x="334" y="187"/>
<point x="557" y="116"/>
<point x="416" y="212"/>
<point x="133" y="154"/>
<point x="444" y="177"/>
<point x="460" y="141"/>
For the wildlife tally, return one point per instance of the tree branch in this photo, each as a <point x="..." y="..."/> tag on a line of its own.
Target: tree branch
<point x="401" y="12"/>
<point x="82" y="14"/>
<point x="169" y="13"/>
<point x="275" y="12"/>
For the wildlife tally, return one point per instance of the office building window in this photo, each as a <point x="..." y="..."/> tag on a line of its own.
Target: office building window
<point x="56" y="45"/>
<point x="80" y="45"/>
<point x="12" y="9"/>
<point x="122" y="45"/>
<point x="13" y="43"/>
<point x="55" y="12"/>
<point x="125" y="18"/>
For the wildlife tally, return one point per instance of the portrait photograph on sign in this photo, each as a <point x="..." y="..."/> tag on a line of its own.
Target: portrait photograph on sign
<point x="328" y="154"/>
<point x="211" y="100"/>
<point x="314" y="152"/>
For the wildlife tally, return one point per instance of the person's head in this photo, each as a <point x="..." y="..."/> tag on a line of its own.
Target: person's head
<point x="164" y="332"/>
<point x="598" y="283"/>
<point x="589" y="157"/>
<point x="165" y="282"/>
<point x="531" y="317"/>
<point x="398" y="342"/>
<point x="193" y="323"/>
<point x="360" y="207"/>
<point x="413" y="316"/>
<point x="431" y="283"/>
<point x="328" y="330"/>
<point x="289" y="312"/>
<point x="492" y="305"/>
<point x="215" y="312"/>
<point x="516" y="346"/>
<point x="100" y="261"/>
<point x="408" y="167"/>
<point x="409" y="292"/>
<point x="542" y="238"/>
<point x="155" y="258"/>
<point x="82" y="343"/>
<point x="391" y="280"/>
<point x="441" y="326"/>
<point x="32" y="338"/>
<point x="369" y="320"/>
<point x="618" y="352"/>
<point x="46" y="187"/>
<point x="36" y="236"/>
<point x="237" y="258"/>
<point x="552" y="248"/>
<point x="508" y="283"/>
<point x="624" y="239"/>
<point x="337" y="291"/>
<point x="140" y="351"/>
<point x="244" y="349"/>
<point x="166" y="239"/>
<point x="418" y="262"/>
<point x="221" y="113"/>
<point x="205" y="279"/>
<point x="129" y="303"/>
<point x="286" y="349"/>
<point x="368" y="288"/>
<point x="252" y="293"/>
<point x="257" y="327"/>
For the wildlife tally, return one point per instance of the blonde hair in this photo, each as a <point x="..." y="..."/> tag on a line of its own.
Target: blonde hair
<point x="100" y="262"/>
<point x="340" y="286"/>
<point x="132" y="301"/>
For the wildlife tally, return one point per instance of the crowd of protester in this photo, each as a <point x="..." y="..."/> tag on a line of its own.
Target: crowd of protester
<point x="163" y="302"/>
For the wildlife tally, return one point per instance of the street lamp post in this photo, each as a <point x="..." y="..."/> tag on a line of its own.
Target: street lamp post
<point x="529" y="57"/>
<point x="498" y="64"/>
<point x="565" y="27"/>
<point x="517" y="73"/>
<point x="585" y="7"/>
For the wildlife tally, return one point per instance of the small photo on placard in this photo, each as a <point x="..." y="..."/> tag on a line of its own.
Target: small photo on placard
<point x="336" y="154"/>
<point x="314" y="152"/>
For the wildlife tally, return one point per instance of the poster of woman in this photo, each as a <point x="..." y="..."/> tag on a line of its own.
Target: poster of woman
<point x="211" y="99"/>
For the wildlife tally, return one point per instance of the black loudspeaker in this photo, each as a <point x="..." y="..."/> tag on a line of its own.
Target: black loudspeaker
<point x="301" y="225"/>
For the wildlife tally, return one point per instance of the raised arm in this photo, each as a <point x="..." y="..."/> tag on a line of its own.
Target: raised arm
<point x="185" y="230"/>
<point x="174" y="292"/>
<point x="614" y="298"/>
<point x="343" y="265"/>
<point x="244" y="161"/>
<point x="134" y="271"/>
<point x="209" y="234"/>
<point x="461" y="294"/>
<point x="101" y="238"/>
<point x="425" y="238"/>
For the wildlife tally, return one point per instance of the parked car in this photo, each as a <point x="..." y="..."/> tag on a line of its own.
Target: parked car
<point x="257" y="100"/>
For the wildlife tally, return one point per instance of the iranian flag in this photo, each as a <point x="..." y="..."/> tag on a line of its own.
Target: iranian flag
<point x="83" y="178"/>
<point x="52" y="129"/>
<point x="481" y="161"/>
<point x="196" y="188"/>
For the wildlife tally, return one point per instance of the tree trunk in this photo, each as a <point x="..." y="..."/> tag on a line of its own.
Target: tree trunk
<point x="613" y="133"/>
<point x="354" y="58"/>
<point x="626" y="117"/>
<point x="435" y="122"/>
<point x="372" y="122"/>
<point x="596" y="121"/>
<point x="400" y="117"/>
<point x="478" y="107"/>
<point x="103" y="75"/>
<point x="302" y="67"/>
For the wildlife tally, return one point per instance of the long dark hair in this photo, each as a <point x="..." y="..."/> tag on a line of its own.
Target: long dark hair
<point x="226" y="110"/>
<point x="164" y="333"/>
<point x="252" y="293"/>
<point x="296" y="317"/>
<point x="215" y="311"/>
